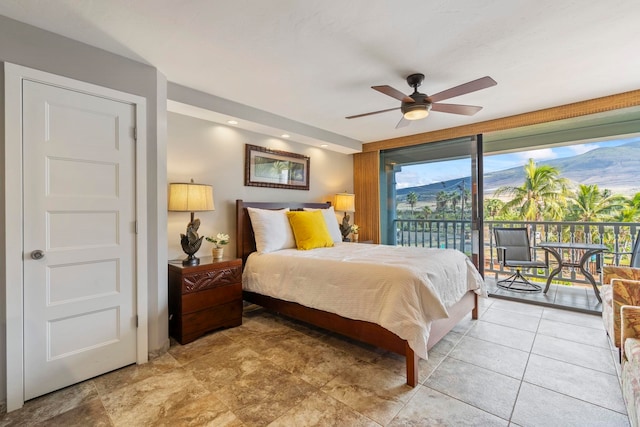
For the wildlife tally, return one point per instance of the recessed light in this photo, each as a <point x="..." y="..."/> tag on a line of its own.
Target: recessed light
<point x="324" y="145"/>
<point x="232" y="122"/>
<point x="286" y="135"/>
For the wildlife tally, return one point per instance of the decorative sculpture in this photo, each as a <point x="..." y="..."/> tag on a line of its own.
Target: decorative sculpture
<point x="345" y="227"/>
<point x="191" y="242"/>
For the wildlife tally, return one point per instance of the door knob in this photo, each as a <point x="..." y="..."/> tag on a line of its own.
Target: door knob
<point x="37" y="254"/>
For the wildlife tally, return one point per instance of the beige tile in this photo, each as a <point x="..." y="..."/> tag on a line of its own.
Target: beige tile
<point x="313" y="360"/>
<point x="91" y="413"/>
<point x="204" y="411"/>
<point x="131" y="374"/>
<point x="371" y="390"/>
<point x="320" y="409"/>
<point x="198" y="348"/>
<point x="50" y="405"/>
<point x="148" y="401"/>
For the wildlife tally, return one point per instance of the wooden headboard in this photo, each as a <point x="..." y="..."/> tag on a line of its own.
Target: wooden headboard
<point x="245" y="239"/>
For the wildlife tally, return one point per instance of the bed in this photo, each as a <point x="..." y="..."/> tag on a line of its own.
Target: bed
<point x="320" y="311"/>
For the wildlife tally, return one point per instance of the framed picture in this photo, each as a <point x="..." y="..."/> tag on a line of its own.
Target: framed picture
<point x="264" y="167"/>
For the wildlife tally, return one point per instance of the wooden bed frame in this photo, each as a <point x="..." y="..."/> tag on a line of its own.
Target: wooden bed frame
<point x="366" y="332"/>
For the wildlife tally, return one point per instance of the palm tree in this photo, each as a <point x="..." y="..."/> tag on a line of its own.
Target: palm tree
<point x="542" y="195"/>
<point x="492" y="207"/>
<point x="412" y="199"/>
<point x="454" y="198"/>
<point x="589" y="204"/>
<point x="441" y="202"/>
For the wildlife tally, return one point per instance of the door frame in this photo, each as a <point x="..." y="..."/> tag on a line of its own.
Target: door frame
<point x="14" y="227"/>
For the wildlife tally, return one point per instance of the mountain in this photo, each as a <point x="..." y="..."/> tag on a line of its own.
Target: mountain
<point x="613" y="168"/>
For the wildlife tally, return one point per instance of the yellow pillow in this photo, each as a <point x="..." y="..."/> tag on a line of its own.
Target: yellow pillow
<point x="309" y="229"/>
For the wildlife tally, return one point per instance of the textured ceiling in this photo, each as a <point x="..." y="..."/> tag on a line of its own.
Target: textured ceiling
<point x="313" y="62"/>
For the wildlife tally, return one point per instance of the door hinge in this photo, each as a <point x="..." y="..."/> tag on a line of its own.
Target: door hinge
<point x="136" y="320"/>
<point x="136" y="226"/>
<point x="135" y="133"/>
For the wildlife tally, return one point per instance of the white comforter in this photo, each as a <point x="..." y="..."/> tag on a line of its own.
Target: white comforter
<point x="401" y="289"/>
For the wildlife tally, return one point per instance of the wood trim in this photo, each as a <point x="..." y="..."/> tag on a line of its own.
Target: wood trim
<point x="576" y="109"/>
<point x="366" y="185"/>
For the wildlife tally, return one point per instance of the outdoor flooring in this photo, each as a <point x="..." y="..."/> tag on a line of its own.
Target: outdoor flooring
<point x="576" y="298"/>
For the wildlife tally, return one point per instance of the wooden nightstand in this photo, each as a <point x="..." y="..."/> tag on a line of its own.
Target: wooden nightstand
<point x="204" y="297"/>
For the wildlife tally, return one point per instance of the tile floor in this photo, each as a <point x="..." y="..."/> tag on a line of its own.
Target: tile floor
<point x="519" y="365"/>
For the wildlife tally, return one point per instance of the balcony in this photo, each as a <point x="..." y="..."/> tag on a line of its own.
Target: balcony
<point x="569" y="289"/>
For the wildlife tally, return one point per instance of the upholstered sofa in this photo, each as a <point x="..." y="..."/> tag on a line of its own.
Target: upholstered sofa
<point x="621" y="287"/>
<point x="630" y="375"/>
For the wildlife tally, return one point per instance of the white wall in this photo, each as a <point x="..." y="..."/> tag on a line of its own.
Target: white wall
<point x="212" y="153"/>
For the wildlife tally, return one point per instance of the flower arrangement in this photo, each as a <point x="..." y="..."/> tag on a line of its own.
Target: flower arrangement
<point x="220" y="240"/>
<point x="355" y="228"/>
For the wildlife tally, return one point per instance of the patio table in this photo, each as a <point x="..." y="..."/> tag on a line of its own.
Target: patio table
<point x="590" y="249"/>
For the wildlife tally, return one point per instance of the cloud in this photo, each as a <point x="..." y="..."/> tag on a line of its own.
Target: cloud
<point x="582" y="148"/>
<point x="542" y="154"/>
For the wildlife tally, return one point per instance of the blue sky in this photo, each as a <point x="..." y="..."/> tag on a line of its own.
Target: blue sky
<point x="423" y="174"/>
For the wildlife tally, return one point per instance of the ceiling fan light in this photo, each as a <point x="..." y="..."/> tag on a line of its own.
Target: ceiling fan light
<point x="417" y="112"/>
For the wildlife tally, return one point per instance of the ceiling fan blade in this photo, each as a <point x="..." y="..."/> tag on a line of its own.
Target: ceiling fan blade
<point x="403" y="122"/>
<point x="373" y="112"/>
<point x="472" y="86"/>
<point x="394" y="93"/>
<point x="465" y="110"/>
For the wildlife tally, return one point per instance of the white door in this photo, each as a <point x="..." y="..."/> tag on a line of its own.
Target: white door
<point x="79" y="214"/>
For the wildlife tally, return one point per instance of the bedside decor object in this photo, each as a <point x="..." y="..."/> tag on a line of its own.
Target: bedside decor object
<point x="264" y="167"/>
<point x="218" y="241"/>
<point x="355" y="230"/>
<point x="190" y="197"/>
<point x="345" y="202"/>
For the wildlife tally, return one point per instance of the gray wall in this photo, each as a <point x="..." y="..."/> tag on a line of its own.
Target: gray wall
<point x="35" y="48"/>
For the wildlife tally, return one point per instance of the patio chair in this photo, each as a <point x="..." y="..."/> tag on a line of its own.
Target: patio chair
<point x="514" y="251"/>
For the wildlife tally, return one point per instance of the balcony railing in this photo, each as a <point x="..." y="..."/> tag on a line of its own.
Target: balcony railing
<point x="456" y="234"/>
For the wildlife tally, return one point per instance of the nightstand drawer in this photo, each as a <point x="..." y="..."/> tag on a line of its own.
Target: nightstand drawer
<point x="194" y="325"/>
<point x="200" y="281"/>
<point x="197" y="301"/>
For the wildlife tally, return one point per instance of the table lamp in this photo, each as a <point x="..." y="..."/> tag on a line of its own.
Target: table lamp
<point x="345" y="202"/>
<point x="190" y="197"/>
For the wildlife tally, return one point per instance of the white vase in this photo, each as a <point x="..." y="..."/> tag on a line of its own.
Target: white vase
<point x="217" y="253"/>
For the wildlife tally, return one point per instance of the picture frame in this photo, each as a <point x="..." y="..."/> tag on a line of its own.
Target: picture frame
<point x="264" y="167"/>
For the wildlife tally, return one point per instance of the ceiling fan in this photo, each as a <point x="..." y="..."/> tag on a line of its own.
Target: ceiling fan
<point x="417" y="105"/>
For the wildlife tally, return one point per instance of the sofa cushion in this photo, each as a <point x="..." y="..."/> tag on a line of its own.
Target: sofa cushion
<point x="632" y="350"/>
<point x="631" y="390"/>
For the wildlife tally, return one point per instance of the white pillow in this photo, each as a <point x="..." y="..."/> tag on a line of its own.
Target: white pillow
<point x="272" y="229"/>
<point x="331" y="221"/>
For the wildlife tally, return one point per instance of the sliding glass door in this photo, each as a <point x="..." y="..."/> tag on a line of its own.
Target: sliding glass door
<point x="430" y="195"/>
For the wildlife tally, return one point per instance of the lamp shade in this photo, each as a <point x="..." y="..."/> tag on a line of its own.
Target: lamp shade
<point x="190" y="197"/>
<point x="345" y="202"/>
